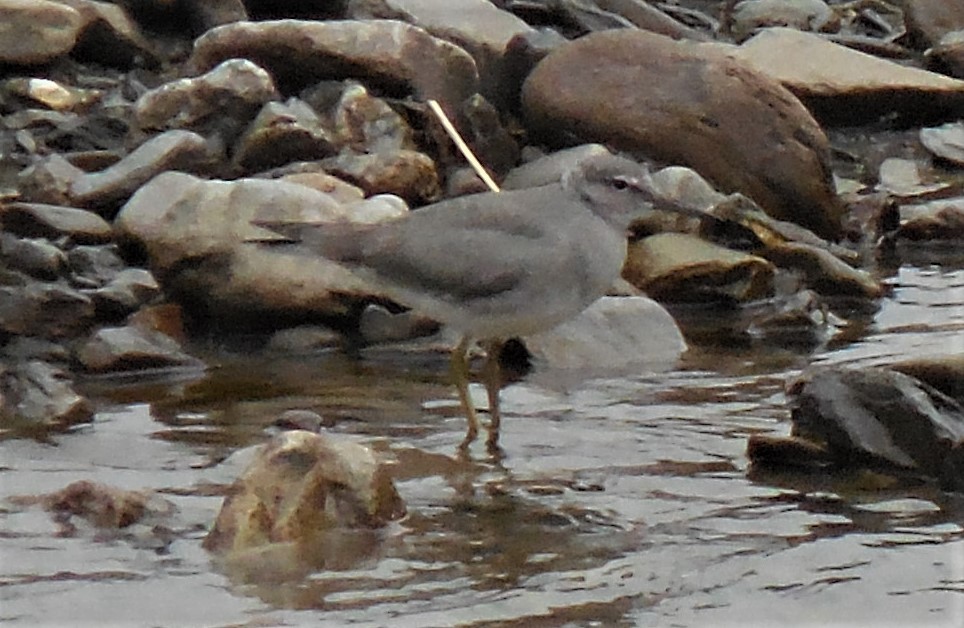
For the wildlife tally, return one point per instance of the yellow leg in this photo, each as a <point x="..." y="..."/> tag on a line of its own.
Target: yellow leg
<point x="460" y="373"/>
<point x="492" y="374"/>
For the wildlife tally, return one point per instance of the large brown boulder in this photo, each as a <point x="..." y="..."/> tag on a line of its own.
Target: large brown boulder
<point x="689" y="104"/>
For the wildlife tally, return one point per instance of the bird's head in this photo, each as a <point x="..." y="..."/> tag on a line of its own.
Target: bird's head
<point x="619" y="190"/>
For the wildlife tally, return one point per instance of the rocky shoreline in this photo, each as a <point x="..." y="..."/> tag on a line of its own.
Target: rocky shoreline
<point x="138" y="146"/>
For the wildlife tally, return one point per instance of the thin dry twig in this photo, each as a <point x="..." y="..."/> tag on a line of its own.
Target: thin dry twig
<point x="462" y="146"/>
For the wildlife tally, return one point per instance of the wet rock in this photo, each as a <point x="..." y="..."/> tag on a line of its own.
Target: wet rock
<point x="408" y="174"/>
<point x="945" y="373"/>
<point x="301" y="487"/>
<point x="37" y="258"/>
<point x="303" y="339"/>
<point x="675" y="267"/>
<point x="35" y="395"/>
<point x="396" y="57"/>
<point x="880" y="416"/>
<point x="749" y="16"/>
<point x="281" y="133"/>
<point x="173" y="150"/>
<point x="37" y="220"/>
<point x="222" y="99"/>
<point x="365" y="123"/>
<point x="100" y="505"/>
<point x="109" y="36"/>
<point x="936" y="220"/>
<point x="36" y="31"/>
<point x="477" y="26"/>
<point x="610" y="335"/>
<point x="303" y="420"/>
<point x="822" y="271"/>
<point x="945" y="141"/>
<point x="194" y="233"/>
<point x="700" y="88"/>
<point x="131" y="349"/>
<point x="45" y="310"/>
<point x="846" y="86"/>
<point x="126" y="292"/>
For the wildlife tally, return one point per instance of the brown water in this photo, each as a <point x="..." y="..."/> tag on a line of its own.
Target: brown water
<point x="624" y="501"/>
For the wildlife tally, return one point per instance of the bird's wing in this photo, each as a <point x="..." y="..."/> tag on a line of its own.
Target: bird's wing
<point x="469" y="247"/>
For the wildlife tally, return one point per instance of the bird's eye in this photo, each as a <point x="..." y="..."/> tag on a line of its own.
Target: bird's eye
<point x="619" y="183"/>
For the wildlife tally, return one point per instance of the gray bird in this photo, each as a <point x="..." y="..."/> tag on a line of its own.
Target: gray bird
<point x="497" y="265"/>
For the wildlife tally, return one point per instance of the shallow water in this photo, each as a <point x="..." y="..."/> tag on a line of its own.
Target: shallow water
<point x="624" y="501"/>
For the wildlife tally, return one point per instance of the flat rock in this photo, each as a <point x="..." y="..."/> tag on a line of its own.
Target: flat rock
<point x="109" y="35"/>
<point x="171" y="150"/>
<point x="674" y="267"/>
<point x="39" y="220"/>
<point x="478" y="26"/>
<point x="936" y="220"/>
<point x="36" y="257"/>
<point x="735" y="126"/>
<point x="845" y="84"/>
<point x="394" y="56"/>
<point x="33" y="32"/>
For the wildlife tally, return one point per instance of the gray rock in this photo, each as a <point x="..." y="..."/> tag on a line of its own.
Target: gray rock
<point x="37" y="395"/>
<point x="228" y="95"/>
<point x="824" y="74"/>
<point x="132" y="348"/>
<point x="880" y="416"/>
<point x="750" y="16"/>
<point x="125" y="293"/>
<point x="94" y="266"/>
<point x="109" y="36"/>
<point x="45" y="310"/>
<point x="824" y="272"/>
<point x="753" y="136"/>
<point x="37" y="258"/>
<point x="392" y="55"/>
<point x="36" y="31"/>
<point x="945" y="141"/>
<point x="49" y="181"/>
<point x="282" y="133"/>
<point x="172" y="150"/>
<point x="611" y="335"/>
<point x="37" y="220"/>
<point x="478" y="26"/>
